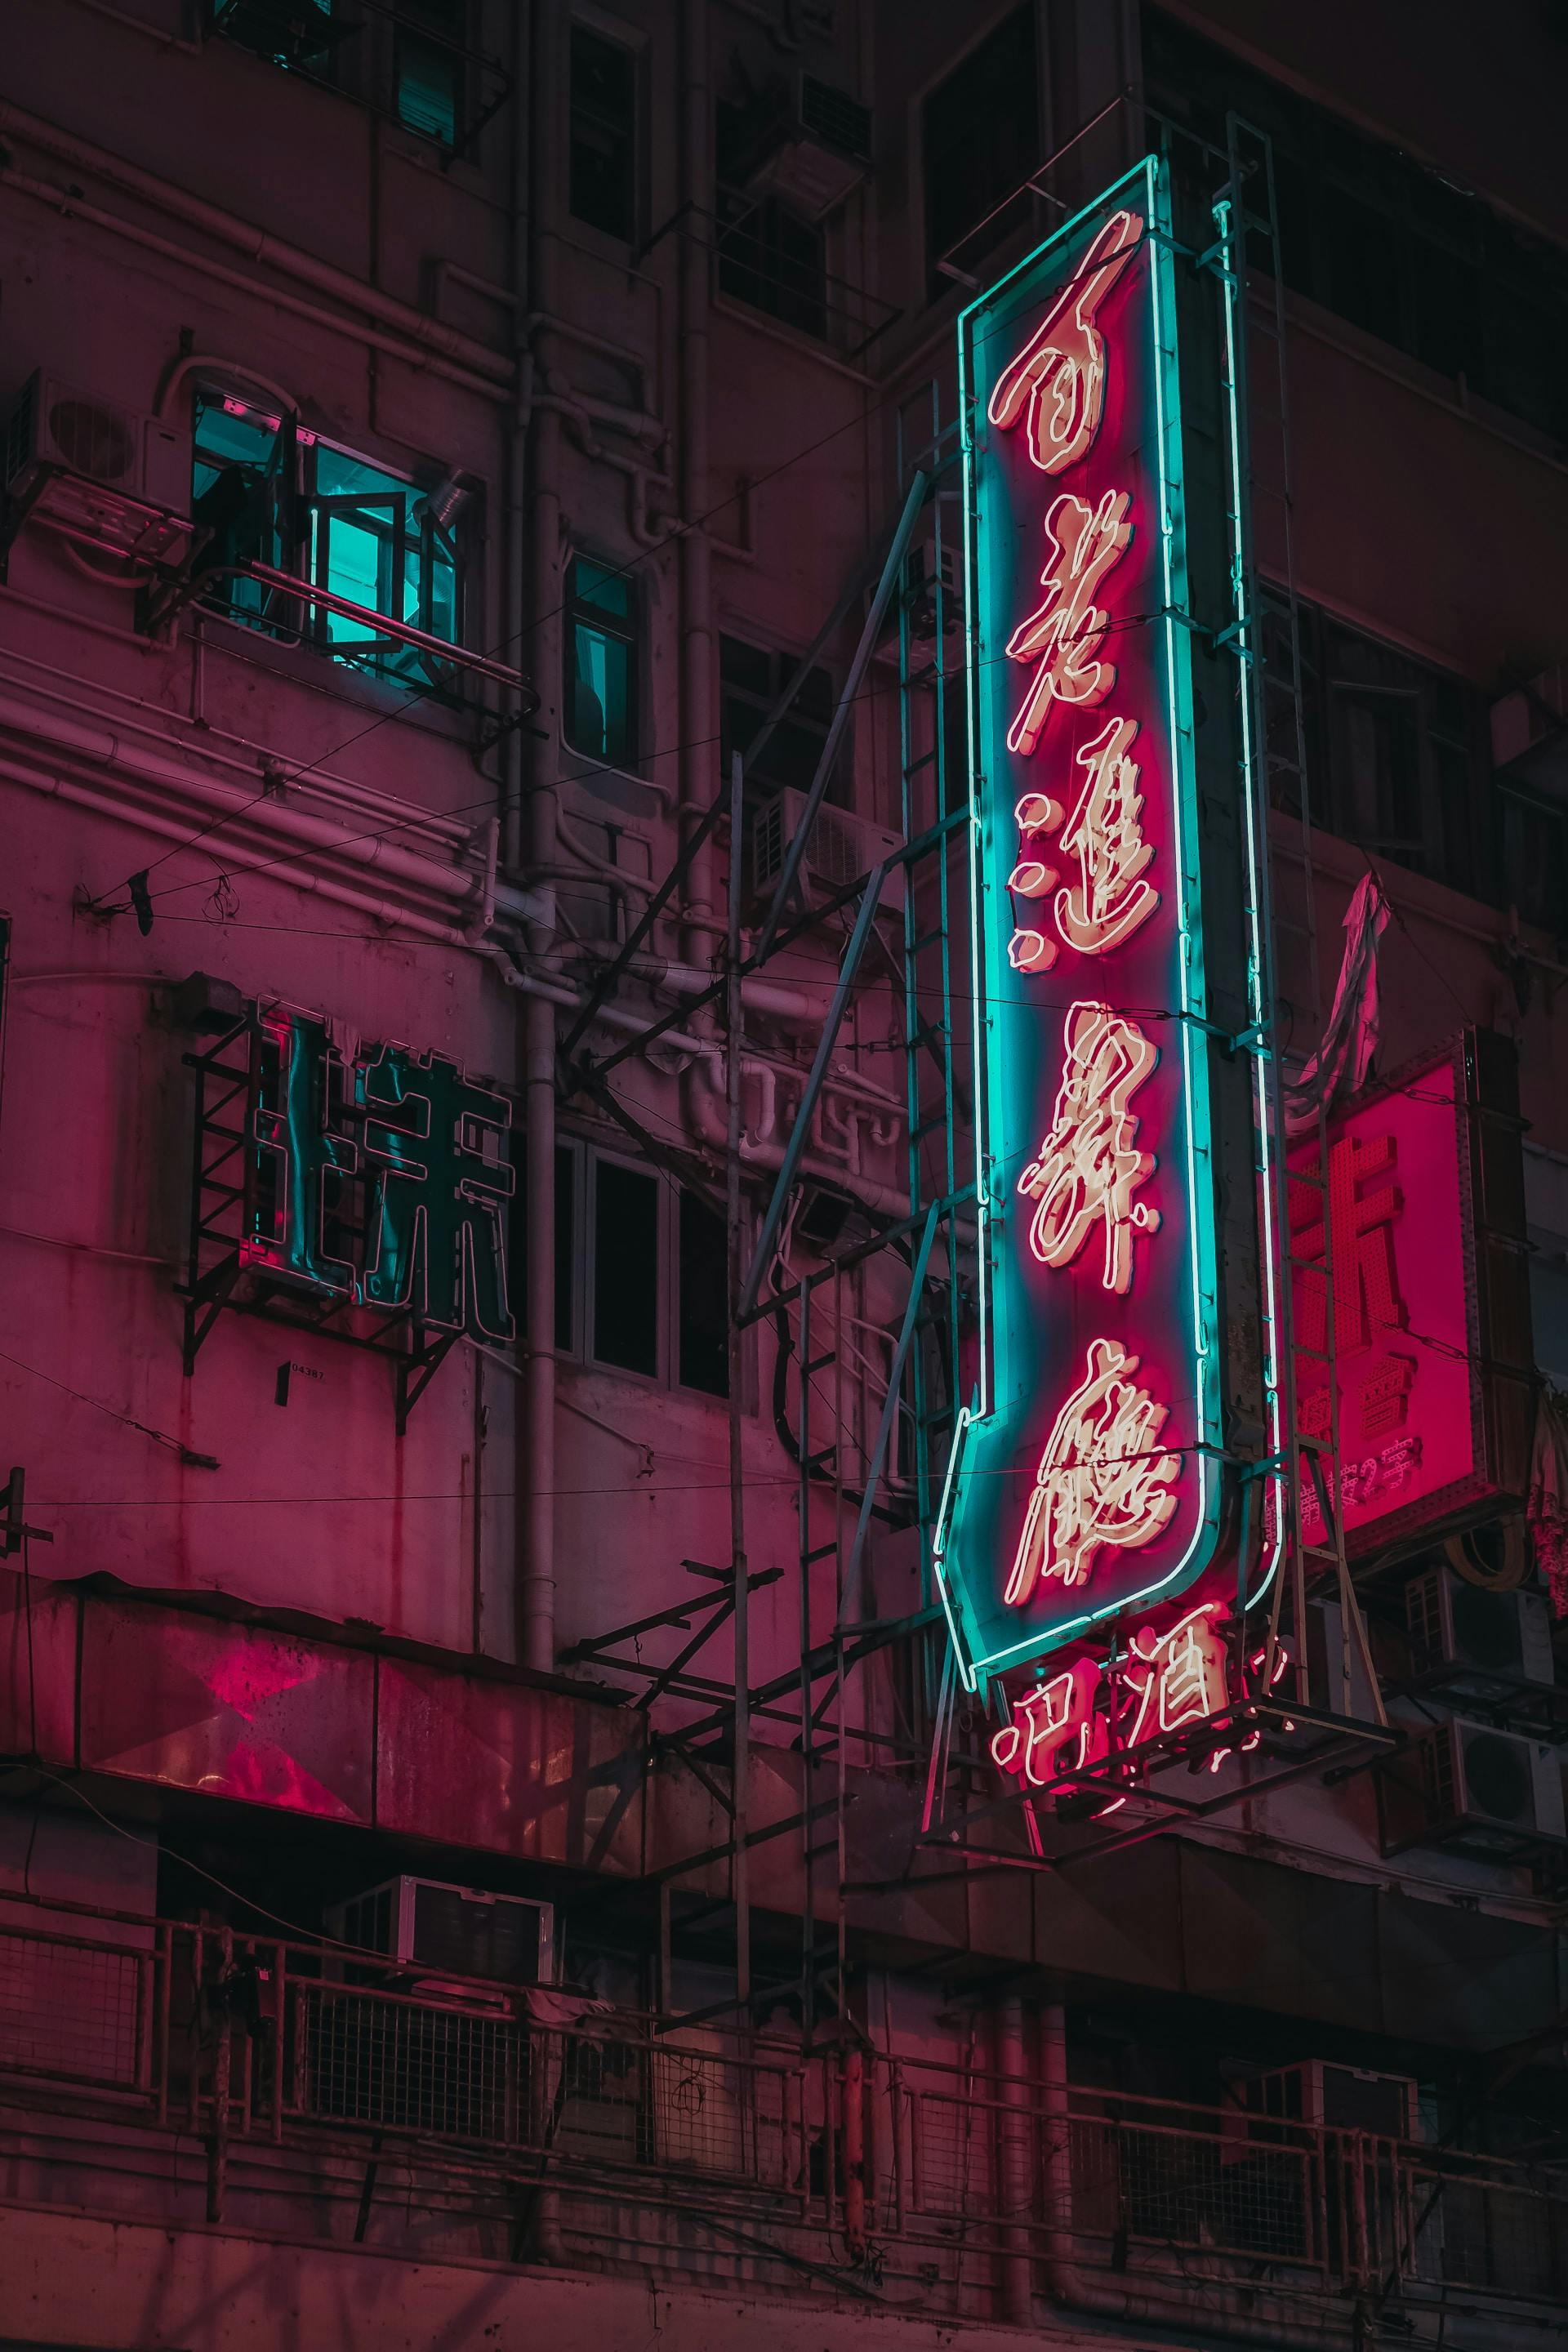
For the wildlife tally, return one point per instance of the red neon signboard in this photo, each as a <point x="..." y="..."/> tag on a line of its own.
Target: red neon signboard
<point x="1410" y="1347"/>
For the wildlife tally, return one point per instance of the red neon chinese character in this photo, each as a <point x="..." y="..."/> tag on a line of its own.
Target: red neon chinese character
<point x="1064" y="636"/>
<point x="1105" y="834"/>
<point x="1089" y="1165"/>
<point x="1366" y="1287"/>
<point x="1100" y="1480"/>
<point x="1049" y="1733"/>
<point x="1385" y="1396"/>
<point x="1178" y="1678"/>
<point x="1058" y="378"/>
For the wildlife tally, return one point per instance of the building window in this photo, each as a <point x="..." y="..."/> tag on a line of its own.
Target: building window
<point x="601" y="650"/>
<point x="272" y="493"/>
<point x="751" y="680"/>
<point x="1379" y="240"/>
<point x="1393" y="750"/>
<point x="602" y="136"/>
<point x="429" y="41"/>
<point x="299" y="35"/>
<point x="980" y="140"/>
<point x="770" y="256"/>
<point x="650" y="1293"/>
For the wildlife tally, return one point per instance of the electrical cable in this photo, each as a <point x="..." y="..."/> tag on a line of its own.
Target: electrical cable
<point x="682" y="531"/>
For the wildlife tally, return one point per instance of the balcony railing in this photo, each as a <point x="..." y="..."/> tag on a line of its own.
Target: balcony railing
<point x="682" y="2147"/>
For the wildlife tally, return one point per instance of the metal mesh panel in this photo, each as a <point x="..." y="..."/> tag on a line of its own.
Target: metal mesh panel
<point x="952" y="2156"/>
<point x="406" y="2067"/>
<point x="1190" y="2188"/>
<point x="70" y="2010"/>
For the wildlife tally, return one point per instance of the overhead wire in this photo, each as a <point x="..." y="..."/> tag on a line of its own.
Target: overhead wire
<point x="671" y="538"/>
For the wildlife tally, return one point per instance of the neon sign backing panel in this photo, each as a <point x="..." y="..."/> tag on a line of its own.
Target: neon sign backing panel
<point x="1084" y="1479"/>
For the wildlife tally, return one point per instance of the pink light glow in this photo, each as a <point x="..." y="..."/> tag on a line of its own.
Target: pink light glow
<point x="1063" y="636"/>
<point x="1057" y="380"/>
<point x="1090" y="1166"/>
<point x="1100" y="1482"/>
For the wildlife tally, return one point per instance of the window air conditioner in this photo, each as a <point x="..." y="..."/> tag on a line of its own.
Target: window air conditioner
<point x="452" y="1930"/>
<point x="819" y="150"/>
<point x="1329" y="2098"/>
<point x="1492" y="1794"/>
<point x="842" y="848"/>
<point x="1452" y="1623"/>
<point x="137" y="456"/>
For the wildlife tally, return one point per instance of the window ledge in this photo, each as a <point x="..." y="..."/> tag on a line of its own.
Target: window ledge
<point x="307" y="666"/>
<point x="1309" y="318"/>
<point x="794" y="339"/>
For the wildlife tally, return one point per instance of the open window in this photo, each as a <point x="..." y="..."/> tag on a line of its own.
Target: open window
<point x="601" y="643"/>
<point x="281" y="504"/>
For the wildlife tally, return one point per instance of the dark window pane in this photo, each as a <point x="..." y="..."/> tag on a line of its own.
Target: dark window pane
<point x="603" y="136"/>
<point x="704" y="1334"/>
<point x="1377" y="769"/>
<point x="773" y="260"/>
<point x="625" y="1267"/>
<point x="566" y="1247"/>
<point x="751" y="679"/>
<point x="979" y="137"/>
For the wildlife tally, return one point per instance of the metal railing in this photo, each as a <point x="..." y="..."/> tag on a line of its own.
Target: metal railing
<point x="806" y="2169"/>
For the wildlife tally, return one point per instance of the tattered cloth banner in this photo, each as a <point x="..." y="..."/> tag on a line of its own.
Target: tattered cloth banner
<point x="1344" y="1055"/>
<point x="1546" y="1505"/>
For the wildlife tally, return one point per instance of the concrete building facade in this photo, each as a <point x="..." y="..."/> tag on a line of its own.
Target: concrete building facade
<point x="477" y="1840"/>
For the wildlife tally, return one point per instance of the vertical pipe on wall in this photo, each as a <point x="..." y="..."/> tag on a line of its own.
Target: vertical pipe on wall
<point x="535" y="829"/>
<point x="734" y="1045"/>
<point x="698" y="703"/>
<point x="1015" y="2129"/>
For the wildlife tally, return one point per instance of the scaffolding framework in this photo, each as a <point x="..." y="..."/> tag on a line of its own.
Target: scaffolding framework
<point x="911" y="584"/>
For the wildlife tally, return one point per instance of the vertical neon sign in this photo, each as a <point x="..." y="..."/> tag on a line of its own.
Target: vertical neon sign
<point x="1085" y="1476"/>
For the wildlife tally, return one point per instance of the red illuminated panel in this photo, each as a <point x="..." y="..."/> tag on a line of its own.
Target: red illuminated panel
<point x="1405" y="1375"/>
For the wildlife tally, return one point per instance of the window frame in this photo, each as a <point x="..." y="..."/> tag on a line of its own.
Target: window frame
<point x="783" y="664"/>
<point x="574" y="1318"/>
<point x="602" y="30"/>
<point x="1459" y="847"/>
<point x="934" y="285"/>
<point x="580" y="611"/>
<point x="301" y="535"/>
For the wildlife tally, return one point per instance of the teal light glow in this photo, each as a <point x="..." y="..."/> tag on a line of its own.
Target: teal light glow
<point x="1031" y="1337"/>
<point x="1260" y="957"/>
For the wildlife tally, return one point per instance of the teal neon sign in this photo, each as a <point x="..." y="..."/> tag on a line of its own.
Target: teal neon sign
<point x="382" y="1182"/>
<point x="1085" y="1476"/>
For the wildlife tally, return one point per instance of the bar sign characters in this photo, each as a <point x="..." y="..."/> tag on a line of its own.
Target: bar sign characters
<point x="1084" y="1480"/>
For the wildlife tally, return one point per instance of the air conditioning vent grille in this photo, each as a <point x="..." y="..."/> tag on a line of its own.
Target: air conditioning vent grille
<point x="98" y="442"/>
<point x="458" y="1931"/>
<point x="840" y="120"/>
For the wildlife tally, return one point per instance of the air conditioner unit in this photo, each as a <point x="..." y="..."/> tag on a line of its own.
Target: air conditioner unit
<point x="56" y="425"/>
<point x="817" y="150"/>
<point x="442" y="1930"/>
<point x="842" y="848"/>
<point x="1331" y="2098"/>
<point x="1492" y="1794"/>
<point x="1460" y="1626"/>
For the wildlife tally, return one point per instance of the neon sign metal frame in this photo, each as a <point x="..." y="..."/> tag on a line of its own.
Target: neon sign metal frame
<point x="1005" y="1411"/>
